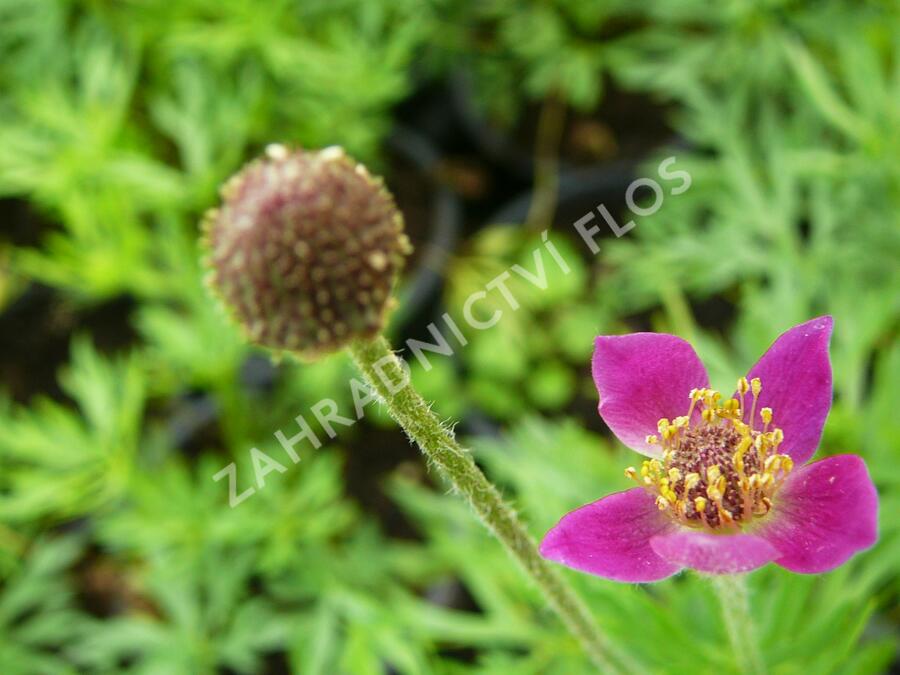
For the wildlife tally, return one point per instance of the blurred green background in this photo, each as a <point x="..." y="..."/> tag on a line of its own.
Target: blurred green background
<point x="124" y="389"/>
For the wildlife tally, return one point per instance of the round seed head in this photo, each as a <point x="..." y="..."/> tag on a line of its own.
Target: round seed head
<point x="304" y="250"/>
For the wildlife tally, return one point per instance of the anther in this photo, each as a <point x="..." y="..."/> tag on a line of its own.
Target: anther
<point x="756" y="386"/>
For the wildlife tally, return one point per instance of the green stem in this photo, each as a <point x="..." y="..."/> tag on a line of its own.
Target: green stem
<point x="382" y="369"/>
<point x="678" y="309"/>
<point x="733" y="596"/>
<point x="546" y="173"/>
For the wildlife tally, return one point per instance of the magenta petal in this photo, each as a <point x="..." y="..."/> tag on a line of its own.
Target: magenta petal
<point x="824" y="513"/>
<point x="714" y="553"/>
<point x="611" y="538"/>
<point x="796" y="383"/>
<point x="641" y="378"/>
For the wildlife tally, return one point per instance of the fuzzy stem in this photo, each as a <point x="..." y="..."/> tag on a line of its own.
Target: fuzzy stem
<point x="733" y="597"/>
<point x="382" y="369"/>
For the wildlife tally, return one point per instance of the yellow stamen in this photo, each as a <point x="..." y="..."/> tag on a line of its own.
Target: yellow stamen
<point x="696" y="395"/>
<point x="756" y="388"/>
<point x="738" y="466"/>
<point x="760" y="447"/>
<point x="715" y="491"/>
<point x="738" y="458"/>
<point x="730" y="408"/>
<point x="772" y="463"/>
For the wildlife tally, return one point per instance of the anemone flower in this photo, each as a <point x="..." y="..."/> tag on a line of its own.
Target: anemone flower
<point x="726" y="488"/>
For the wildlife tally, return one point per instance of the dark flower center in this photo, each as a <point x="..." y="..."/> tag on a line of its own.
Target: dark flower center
<point x="716" y="470"/>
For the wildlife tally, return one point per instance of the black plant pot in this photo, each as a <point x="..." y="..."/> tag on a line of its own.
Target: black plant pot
<point x="435" y="239"/>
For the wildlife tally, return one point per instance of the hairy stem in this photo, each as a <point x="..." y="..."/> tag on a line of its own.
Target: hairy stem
<point x="384" y="373"/>
<point x="733" y="597"/>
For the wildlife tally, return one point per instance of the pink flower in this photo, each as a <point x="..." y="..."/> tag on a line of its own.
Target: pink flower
<point x="725" y="489"/>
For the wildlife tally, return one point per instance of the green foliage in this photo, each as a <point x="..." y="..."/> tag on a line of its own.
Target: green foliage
<point x="540" y="338"/>
<point x="94" y="150"/>
<point x="513" y="52"/>
<point x="119" y="121"/>
<point x="38" y="622"/>
<point x="59" y="463"/>
<point x="791" y="204"/>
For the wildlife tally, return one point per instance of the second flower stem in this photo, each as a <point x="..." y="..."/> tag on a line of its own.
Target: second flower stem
<point x="382" y="369"/>
<point x="733" y="597"/>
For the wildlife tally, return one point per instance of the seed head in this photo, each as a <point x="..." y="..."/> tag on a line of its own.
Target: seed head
<point x="304" y="250"/>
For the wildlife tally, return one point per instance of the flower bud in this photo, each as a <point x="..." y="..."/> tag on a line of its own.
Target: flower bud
<point x="304" y="250"/>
